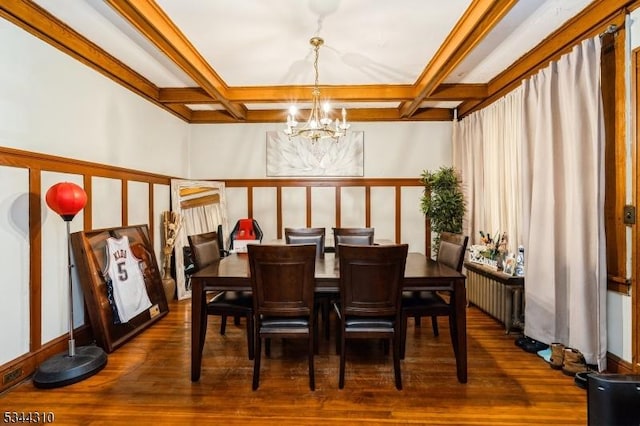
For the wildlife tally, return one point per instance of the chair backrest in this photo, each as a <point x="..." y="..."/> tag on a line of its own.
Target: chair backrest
<point x="353" y="236"/>
<point x="452" y="249"/>
<point x="371" y="279"/>
<point x="204" y="248"/>
<point x="282" y="279"/>
<point x="306" y="236"/>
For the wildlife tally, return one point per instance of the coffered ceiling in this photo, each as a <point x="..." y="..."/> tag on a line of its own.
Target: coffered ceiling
<point x="221" y="61"/>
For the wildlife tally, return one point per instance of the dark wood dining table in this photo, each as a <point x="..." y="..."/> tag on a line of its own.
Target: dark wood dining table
<point x="231" y="273"/>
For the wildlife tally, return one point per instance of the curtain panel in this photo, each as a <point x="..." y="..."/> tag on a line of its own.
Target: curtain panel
<point x="563" y="203"/>
<point x="532" y="165"/>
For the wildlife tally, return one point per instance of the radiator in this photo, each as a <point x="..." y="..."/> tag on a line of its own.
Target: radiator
<point x="496" y="294"/>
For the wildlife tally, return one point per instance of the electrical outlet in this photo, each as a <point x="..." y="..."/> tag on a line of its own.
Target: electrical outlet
<point x="12" y="376"/>
<point x="629" y="215"/>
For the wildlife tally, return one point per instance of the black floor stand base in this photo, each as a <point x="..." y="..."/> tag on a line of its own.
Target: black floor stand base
<point x="63" y="370"/>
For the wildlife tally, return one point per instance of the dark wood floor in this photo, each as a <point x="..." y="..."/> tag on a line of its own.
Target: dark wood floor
<point x="147" y="381"/>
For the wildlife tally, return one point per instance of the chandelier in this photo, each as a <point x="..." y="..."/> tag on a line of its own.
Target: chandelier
<point x="318" y="125"/>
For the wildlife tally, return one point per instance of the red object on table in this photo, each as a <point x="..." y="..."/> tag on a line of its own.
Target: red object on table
<point x="245" y="230"/>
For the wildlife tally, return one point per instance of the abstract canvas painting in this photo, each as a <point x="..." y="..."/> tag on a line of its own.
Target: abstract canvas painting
<point x="297" y="156"/>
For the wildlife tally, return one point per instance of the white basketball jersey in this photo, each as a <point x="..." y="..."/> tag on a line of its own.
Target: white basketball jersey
<point x="123" y="269"/>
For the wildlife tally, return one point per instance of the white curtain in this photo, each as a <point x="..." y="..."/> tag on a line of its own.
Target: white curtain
<point x="486" y="150"/>
<point x="563" y="204"/>
<point x="532" y="165"/>
<point x="200" y="219"/>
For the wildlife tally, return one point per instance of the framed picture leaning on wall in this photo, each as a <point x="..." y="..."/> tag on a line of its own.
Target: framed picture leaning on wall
<point x="121" y="282"/>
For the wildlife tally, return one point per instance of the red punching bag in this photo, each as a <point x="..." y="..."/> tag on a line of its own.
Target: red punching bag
<point x="66" y="199"/>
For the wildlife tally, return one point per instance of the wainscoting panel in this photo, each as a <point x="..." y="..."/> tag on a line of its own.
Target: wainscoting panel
<point x="55" y="281"/>
<point x="323" y="208"/>
<point x="353" y="207"/>
<point x="264" y="204"/>
<point x="106" y="202"/>
<point x="383" y="212"/>
<point x="293" y="208"/>
<point x="138" y="203"/>
<point x="14" y="303"/>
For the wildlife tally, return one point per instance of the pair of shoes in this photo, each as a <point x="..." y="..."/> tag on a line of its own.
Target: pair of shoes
<point x="557" y="356"/>
<point x="530" y="345"/>
<point x="574" y="362"/>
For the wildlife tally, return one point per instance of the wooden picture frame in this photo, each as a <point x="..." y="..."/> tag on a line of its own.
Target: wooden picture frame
<point x="89" y="250"/>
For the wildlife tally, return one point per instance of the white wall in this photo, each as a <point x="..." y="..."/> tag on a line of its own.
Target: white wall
<point x="50" y="103"/>
<point x="53" y="104"/>
<point x="391" y="150"/>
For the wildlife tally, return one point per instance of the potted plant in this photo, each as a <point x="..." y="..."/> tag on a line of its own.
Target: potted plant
<point x="442" y="202"/>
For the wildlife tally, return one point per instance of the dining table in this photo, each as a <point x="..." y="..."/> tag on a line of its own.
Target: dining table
<point x="231" y="273"/>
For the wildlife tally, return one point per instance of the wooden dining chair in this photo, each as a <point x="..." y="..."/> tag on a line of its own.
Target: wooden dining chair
<point x="430" y="303"/>
<point x="306" y="236"/>
<point x="322" y="299"/>
<point x="283" y="284"/>
<point x="355" y="236"/>
<point x="371" y="279"/>
<point x="206" y="251"/>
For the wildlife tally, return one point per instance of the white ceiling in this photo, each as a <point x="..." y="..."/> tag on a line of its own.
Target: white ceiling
<point x="266" y="43"/>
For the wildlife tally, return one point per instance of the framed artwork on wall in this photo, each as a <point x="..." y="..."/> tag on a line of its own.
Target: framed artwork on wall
<point x="297" y="156"/>
<point x="97" y="252"/>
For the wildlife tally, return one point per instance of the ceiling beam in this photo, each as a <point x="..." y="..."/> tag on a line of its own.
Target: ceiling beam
<point x="185" y="95"/>
<point x="289" y="94"/>
<point x="356" y="93"/>
<point x="458" y="92"/>
<point x="153" y="23"/>
<point x="355" y="115"/>
<point x="473" y="26"/>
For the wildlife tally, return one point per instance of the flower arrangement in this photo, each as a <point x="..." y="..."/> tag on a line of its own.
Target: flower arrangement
<point x="494" y="246"/>
<point x="171" y="222"/>
<point x="491" y="249"/>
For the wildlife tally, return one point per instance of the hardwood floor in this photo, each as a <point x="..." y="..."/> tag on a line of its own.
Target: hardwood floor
<point x="147" y="381"/>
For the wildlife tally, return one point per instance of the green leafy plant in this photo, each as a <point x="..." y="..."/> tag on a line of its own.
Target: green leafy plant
<point x="442" y="202"/>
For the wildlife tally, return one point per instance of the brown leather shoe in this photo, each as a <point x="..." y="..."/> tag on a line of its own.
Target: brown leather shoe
<point x="573" y="362"/>
<point x="557" y="356"/>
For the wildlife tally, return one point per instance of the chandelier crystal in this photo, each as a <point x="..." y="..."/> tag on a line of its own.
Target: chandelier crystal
<point x="319" y="125"/>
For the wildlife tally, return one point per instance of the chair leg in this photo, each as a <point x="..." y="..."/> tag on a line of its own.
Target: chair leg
<point x="250" y="338"/>
<point x="403" y="335"/>
<point x="338" y="338"/>
<point x="385" y="346"/>
<point x="326" y="318"/>
<point x="223" y="324"/>
<point x="396" y="361"/>
<point x="236" y="319"/>
<point x="434" y="325"/>
<point x="312" y="349"/>
<point x="267" y="347"/>
<point x="417" y="320"/>
<point x="316" y="342"/>
<point x="342" y="359"/>
<point x="256" y="362"/>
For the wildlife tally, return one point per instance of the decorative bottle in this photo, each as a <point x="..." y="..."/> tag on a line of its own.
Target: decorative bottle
<point x="520" y="262"/>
